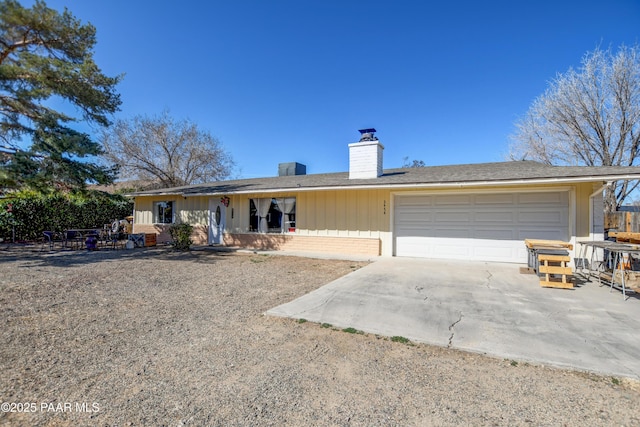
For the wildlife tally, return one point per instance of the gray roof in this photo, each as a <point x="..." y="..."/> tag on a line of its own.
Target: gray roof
<point x="514" y="172"/>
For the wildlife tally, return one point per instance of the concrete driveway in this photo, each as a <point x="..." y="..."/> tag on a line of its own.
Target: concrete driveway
<point x="485" y="308"/>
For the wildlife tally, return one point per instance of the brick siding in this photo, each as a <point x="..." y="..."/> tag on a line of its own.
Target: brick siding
<point x="289" y="242"/>
<point x="274" y="242"/>
<point x="199" y="235"/>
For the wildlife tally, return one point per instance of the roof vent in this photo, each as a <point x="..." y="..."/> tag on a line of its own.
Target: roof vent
<point x="291" y="168"/>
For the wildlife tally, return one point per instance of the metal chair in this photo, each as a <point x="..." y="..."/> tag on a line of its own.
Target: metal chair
<point x="91" y="240"/>
<point x="49" y="238"/>
<point x="113" y="239"/>
<point x="73" y="239"/>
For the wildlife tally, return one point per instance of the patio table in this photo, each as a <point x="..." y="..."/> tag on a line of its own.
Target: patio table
<point x="617" y="252"/>
<point x="612" y="264"/>
<point x="594" y="265"/>
<point x="76" y="237"/>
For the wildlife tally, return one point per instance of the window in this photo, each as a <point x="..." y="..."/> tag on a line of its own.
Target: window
<point x="163" y="212"/>
<point x="277" y="215"/>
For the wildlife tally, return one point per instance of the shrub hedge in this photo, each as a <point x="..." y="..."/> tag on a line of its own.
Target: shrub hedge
<point x="32" y="213"/>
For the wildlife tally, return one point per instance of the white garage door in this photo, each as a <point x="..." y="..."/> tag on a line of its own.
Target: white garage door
<point x="482" y="227"/>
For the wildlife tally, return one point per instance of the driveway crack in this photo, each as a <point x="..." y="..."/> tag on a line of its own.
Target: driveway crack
<point x="451" y="329"/>
<point x="321" y="303"/>
<point x="419" y="290"/>
<point x="488" y="284"/>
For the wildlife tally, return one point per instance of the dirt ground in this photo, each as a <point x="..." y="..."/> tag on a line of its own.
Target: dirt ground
<point x="154" y="337"/>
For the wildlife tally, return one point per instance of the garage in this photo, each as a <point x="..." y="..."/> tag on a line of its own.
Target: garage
<point x="478" y="226"/>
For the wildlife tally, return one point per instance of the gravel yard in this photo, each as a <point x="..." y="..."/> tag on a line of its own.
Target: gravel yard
<point x="152" y="337"/>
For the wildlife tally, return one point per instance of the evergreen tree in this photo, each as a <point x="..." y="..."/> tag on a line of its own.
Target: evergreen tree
<point x="45" y="54"/>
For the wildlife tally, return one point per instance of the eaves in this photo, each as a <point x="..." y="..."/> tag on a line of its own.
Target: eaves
<point x="414" y="186"/>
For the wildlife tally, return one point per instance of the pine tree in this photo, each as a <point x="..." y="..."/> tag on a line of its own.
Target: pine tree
<point x="45" y="54"/>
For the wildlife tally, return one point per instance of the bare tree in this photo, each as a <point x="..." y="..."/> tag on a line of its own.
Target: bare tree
<point x="413" y="163"/>
<point x="164" y="151"/>
<point x="589" y="116"/>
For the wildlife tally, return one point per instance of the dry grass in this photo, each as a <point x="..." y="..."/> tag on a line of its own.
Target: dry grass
<point x="155" y="337"/>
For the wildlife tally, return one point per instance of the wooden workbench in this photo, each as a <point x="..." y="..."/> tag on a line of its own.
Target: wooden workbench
<point x="551" y="258"/>
<point x="550" y="244"/>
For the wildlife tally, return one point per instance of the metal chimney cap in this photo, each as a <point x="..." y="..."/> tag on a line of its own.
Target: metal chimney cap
<point x="367" y="134"/>
<point x="363" y="131"/>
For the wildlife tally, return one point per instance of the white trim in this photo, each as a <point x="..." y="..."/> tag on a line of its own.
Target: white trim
<point x="487" y="190"/>
<point x="600" y="189"/>
<point x="154" y="213"/>
<point x="573" y="222"/>
<point x="595" y="236"/>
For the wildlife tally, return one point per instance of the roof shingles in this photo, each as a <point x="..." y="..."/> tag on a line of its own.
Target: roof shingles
<point x="430" y="176"/>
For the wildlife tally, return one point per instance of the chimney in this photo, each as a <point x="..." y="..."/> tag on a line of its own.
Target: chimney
<point x="365" y="156"/>
<point x="292" y="168"/>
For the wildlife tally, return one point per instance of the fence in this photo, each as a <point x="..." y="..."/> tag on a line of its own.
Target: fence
<point x="622" y="221"/>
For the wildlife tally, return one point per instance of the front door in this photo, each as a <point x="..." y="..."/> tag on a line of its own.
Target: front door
<point x="217" y="215"/>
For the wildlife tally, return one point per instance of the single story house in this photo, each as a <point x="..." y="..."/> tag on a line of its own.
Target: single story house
<point x="474" y="212"/>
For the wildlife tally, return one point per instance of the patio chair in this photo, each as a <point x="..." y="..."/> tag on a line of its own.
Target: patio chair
<point x="103" y="238"/>
<point x="50" y="238"/>
<point x="113" y="240"/>
<point x="91" y="240"/>
<point x="73" y="239"/>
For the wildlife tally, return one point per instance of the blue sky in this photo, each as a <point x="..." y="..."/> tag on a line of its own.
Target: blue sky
<point x="284" y="80"/>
